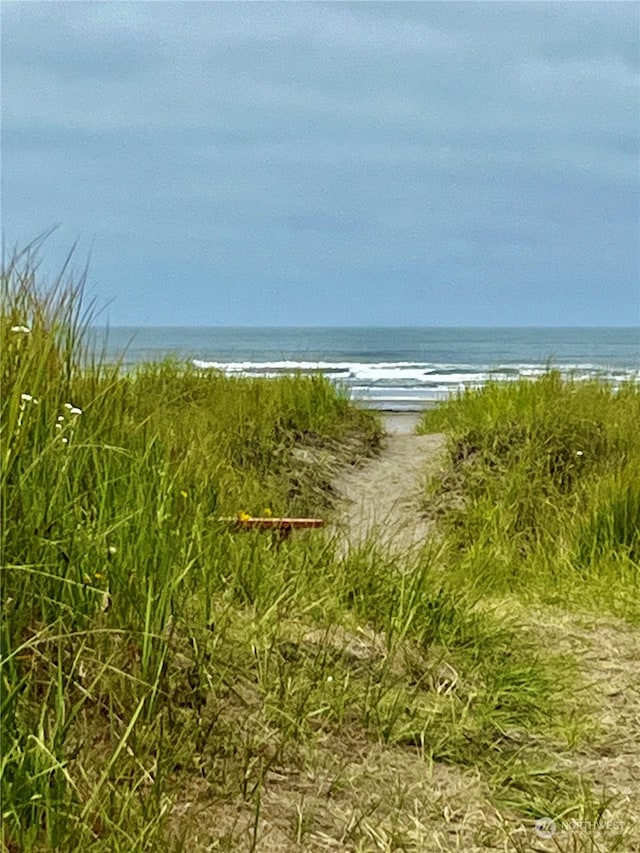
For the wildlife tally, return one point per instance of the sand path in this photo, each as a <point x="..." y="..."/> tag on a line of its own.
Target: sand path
<point x="354" y="787"/>
<point x="381" y="498"/>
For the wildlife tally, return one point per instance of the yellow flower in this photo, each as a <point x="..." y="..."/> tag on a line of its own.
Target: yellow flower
<point x="98" y="575"/>
<point x="184" y="494"/>
<point x="243" y="516"/>
<point x="267" y="512"/>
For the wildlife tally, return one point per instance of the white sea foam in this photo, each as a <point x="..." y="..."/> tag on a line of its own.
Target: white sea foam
<point x="275" y="366"/>
<point x="407" y="383"/>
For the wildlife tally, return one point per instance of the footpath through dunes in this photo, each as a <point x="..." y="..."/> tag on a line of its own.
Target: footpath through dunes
<point x="381" y="498"/>
<point x="381" y="503"/>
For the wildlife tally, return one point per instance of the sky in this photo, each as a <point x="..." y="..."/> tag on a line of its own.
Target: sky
<point x="408" y="164"/>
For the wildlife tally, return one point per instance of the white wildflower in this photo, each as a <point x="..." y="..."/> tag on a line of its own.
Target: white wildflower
<point x="21" y="330"/>
<point x="73" y="410"/>
<point x="579" y="453"/>
<point x="65" y="440"/>
<point x="26" y="398"/>
<point x="60" y="418"/>
<point x="329" y="679"/>
<point x="112" y="549"/>
<point x="58" y="426"/>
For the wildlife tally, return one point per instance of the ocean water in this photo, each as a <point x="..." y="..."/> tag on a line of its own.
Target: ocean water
<point x="392" y="368"/>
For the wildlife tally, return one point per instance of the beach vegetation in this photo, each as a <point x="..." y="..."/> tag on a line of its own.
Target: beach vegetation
<point x="171" y="683"/>
<point x="541" y="495"/>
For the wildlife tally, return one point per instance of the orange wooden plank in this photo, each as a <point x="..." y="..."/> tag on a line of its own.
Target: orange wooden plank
<point x="269" y="523"/>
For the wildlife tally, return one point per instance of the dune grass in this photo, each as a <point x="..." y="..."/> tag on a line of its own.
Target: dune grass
<point x="542" y="494"/>
<point x="538" y="512"/>
<point x="149" y="653"/>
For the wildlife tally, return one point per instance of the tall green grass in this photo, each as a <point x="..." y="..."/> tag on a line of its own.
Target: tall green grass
<point x="542" y="495"/>
<point x="112" y="486"/>
<point x="146" y="648"/>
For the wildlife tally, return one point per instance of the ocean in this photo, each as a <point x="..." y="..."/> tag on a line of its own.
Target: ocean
<point x="392" y="369"/>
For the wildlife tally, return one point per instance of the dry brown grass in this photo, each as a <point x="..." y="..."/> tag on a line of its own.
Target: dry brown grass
<point x="355" y="795"/>
<point x="607" y="651"/>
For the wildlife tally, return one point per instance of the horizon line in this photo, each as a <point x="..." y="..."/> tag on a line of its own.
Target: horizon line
<point x="356" y="326"/>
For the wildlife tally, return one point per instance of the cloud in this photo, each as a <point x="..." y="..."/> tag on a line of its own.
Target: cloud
<point x="330" y="138"/>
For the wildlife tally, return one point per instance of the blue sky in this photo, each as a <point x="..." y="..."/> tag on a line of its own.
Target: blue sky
<point x="330" y="163"/>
